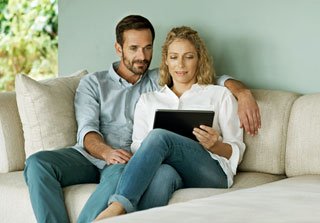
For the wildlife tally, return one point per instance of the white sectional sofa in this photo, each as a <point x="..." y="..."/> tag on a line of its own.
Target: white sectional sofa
<point x="278" y="179"/>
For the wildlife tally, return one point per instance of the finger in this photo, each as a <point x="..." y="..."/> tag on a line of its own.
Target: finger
<point x="256" y="123"/>
<point x="258" y="118"/>
<point x="203" y="135"/>
<point x="195" y="134"/>
<point x="205" y="141"/>
<point x="211" y="132"/>
<point x="205" y="131"/>
<point x="241" y="124"/>
<point x="251" y="123"/>
<point x="120" y="158"/>
<point x="112" y="161"/>
<point x="206" y="128"/>
<point x="125" y="153"/>
<point x="202" y="141"/>
<point x="200" y="138"/>
<point x="245" y="123"/>
<point x="128" y="153"/>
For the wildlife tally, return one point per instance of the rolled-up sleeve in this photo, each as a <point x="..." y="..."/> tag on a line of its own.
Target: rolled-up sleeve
<point x="141" y="124"/>
<point x="87" y="107"/>
<point x="231" y="132"/>
<point x="221" y="79"/>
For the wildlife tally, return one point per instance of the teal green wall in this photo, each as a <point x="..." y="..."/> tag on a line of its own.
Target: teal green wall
<point x="272" y="44"/>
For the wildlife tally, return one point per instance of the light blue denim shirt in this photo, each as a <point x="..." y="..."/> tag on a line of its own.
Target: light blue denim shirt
<point x="105" y="103"/>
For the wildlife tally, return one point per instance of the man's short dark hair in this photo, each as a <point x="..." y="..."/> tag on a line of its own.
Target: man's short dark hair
<point x="136" y="22"/>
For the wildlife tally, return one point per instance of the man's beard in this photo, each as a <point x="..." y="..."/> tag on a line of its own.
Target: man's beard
<point x="136" y="70"/>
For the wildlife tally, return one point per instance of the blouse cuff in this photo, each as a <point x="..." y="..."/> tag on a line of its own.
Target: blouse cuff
<point x="234" y="159"/>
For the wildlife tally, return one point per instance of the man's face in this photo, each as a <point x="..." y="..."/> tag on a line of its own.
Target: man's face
<point x="136" y="52"/>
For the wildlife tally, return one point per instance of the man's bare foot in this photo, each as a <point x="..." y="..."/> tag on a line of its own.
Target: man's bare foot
<point x="114" y="209"/>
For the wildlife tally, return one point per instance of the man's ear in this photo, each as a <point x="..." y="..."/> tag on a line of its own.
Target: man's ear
<point x="118" y="48"/>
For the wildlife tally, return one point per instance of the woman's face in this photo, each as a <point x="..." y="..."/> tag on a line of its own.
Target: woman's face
<point x="182" y="62"/>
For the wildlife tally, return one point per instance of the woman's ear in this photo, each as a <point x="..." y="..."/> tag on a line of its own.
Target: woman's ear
<point x="118" y="48"/>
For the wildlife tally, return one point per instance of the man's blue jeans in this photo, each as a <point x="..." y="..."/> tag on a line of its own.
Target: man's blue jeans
<point x="47" y="172"/>
<point x="193" y="163"/>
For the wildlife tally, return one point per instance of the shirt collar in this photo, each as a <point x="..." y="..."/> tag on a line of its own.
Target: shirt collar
<point x="194" y="87"/>
<point x="112" y="71"/>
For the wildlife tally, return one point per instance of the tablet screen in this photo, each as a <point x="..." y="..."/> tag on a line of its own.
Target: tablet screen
<point x="182" y="121"/>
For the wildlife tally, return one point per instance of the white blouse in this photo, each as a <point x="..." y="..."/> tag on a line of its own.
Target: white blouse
<point x="198" y="97"/>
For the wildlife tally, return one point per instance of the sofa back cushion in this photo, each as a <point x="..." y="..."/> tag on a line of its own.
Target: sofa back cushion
<point x="46" y="110"/>
<point x="12" y="154"/>
<point x="265" y="152"/>
<point x="303" y="141"/>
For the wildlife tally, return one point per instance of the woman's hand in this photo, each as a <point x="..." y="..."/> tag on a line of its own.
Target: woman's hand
<point x="206" y="136"/>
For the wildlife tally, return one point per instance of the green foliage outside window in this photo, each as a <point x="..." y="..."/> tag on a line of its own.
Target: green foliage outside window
<point x="28" y="40"/>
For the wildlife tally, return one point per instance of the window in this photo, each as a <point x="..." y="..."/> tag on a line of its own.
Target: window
<point x="28" y="40"/>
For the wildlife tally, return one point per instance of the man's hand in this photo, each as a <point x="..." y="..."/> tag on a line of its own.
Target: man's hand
<point x="114" y="156"/>
<point x="95" y="145"/>
<point x="248" y="112"/>
<point x="248" y="109"/>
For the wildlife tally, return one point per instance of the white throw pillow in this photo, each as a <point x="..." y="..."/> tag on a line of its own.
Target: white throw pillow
<point x="46" y="110"/>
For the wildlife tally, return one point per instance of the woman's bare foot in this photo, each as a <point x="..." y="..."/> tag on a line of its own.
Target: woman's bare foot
<point x="114" y="209"/>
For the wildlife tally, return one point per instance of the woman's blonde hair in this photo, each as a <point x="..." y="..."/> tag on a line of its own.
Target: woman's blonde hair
<point x="205" y="72"/>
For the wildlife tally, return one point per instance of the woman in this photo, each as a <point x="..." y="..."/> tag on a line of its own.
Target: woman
<point x="187" y="76"/>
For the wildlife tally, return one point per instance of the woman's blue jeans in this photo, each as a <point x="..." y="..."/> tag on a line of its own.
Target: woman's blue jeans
<point x="193" y="163"/>
<point x="47" y="172"/>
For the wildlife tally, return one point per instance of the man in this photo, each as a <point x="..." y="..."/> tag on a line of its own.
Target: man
<point x="104" y="105"/>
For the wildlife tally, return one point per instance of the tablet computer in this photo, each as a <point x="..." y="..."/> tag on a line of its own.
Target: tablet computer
<point x="182" y="121"/>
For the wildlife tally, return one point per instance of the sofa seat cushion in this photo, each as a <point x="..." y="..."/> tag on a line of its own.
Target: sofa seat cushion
<point x="75" y="198"/>
<point x="241" y="180"/>
<point x="14" y="197"/>
<point x="13" y="188"/>
<point x="15" y="204"/>
<point x="290" y="200"/>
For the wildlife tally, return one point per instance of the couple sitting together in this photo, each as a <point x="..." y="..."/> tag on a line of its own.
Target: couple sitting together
<point x="115" y="111"/>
